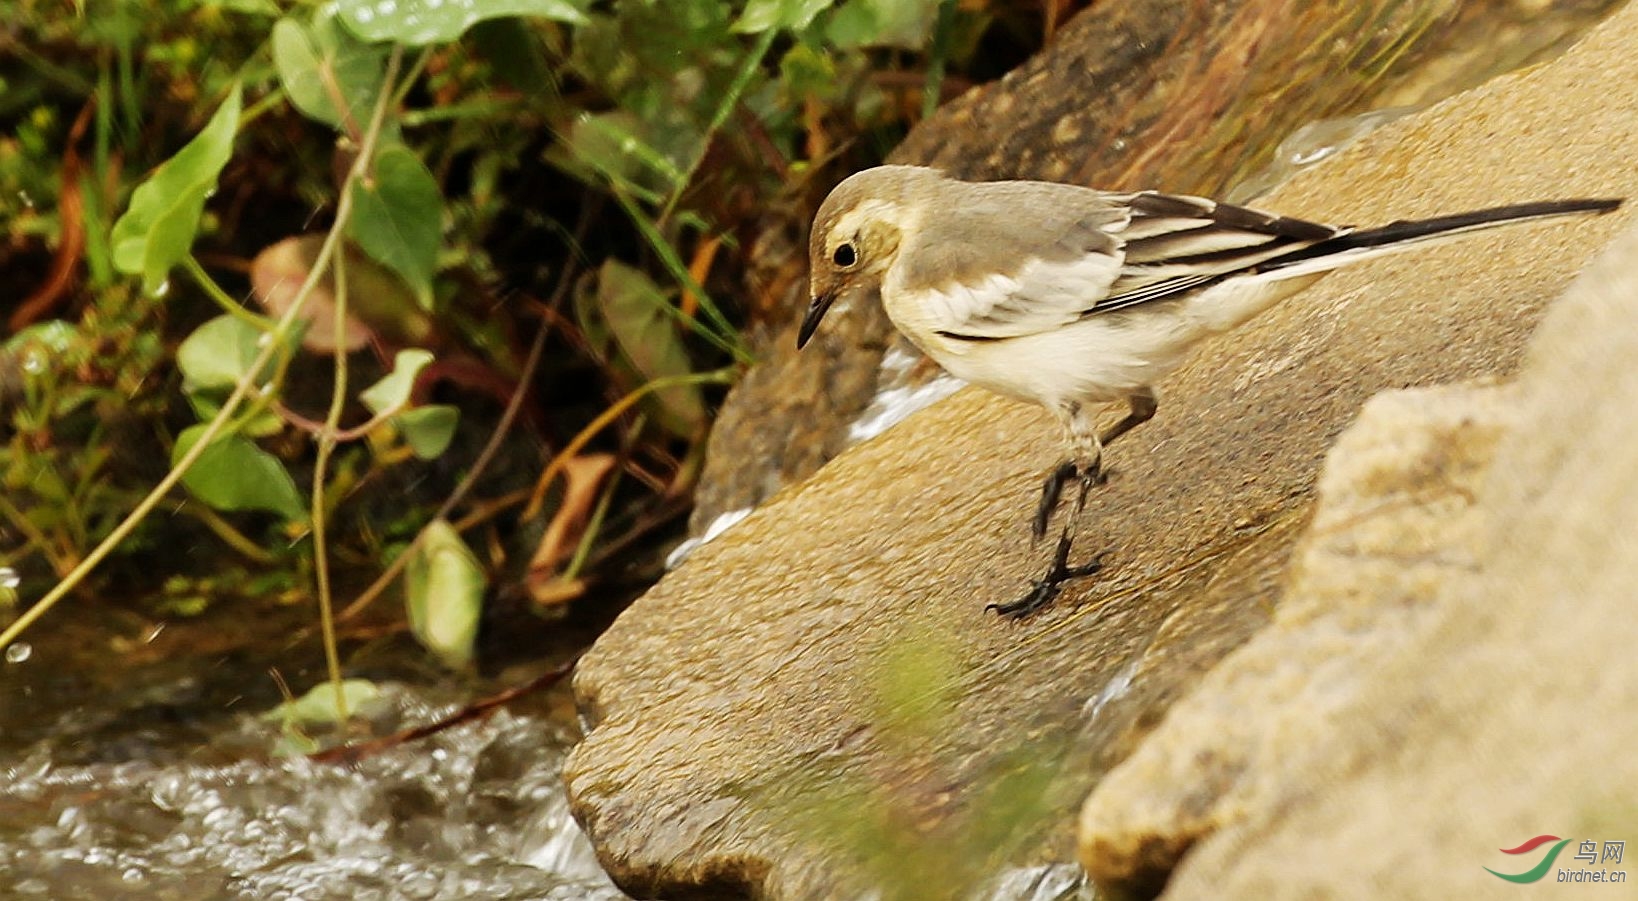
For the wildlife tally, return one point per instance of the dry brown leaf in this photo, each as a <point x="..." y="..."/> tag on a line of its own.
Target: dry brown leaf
<point x="582" y="477"/>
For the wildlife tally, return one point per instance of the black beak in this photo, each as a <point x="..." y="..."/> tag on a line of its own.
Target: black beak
<point x="816" y="312"/>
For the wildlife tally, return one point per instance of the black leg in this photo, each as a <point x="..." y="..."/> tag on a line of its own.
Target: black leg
<point x="1051" y="491"/>
<point x="1142" y="409"/>
<point x="1046" y="588"/>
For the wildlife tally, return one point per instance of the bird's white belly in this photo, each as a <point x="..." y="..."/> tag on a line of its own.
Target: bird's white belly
<point x="1097" y="360"/>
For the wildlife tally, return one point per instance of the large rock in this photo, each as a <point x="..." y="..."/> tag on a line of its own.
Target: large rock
<point x="1452" y="671"/>
<point x="1142" y="94"/>
<point x="818" y="698"/>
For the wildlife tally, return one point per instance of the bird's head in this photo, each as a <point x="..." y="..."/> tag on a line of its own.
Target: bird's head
<point x="857" y="233"/>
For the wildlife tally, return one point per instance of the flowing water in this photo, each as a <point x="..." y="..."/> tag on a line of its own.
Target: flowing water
<point x="476" y="811"/>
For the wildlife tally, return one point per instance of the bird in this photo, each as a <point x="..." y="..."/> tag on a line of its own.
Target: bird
<point x="1074" y="298"/>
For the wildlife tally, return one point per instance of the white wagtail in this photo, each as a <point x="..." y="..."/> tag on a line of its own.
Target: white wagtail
<point x="1070" y="297"/>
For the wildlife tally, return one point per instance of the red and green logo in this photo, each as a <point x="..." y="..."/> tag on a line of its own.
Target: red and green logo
<point x="1539" y="870"/>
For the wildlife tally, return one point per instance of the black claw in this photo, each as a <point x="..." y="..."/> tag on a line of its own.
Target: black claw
<point x="1090" y="568"/>
<point x="1041" y="595"/>
<point x="1051" y="491"/>
<point x="1095" y="475"/>
<point x="1045" y="590"/>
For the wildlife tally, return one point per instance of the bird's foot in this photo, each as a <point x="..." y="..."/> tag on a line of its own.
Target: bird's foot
<point x="1053" y="489"/>
<point x="1045" y="590"/>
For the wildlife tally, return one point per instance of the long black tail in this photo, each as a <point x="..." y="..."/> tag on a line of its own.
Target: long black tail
<point x="1349" y="247"/>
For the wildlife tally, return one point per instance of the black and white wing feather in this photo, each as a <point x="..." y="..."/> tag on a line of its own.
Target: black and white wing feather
<point x="1138" y="249"/>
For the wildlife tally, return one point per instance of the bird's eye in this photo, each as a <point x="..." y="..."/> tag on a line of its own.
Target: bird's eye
<point x="844" y="256"/>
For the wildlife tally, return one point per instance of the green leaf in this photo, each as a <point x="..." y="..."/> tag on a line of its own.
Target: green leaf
<point x="443" y="587"/>
<point x="206" y="406"/>
<point x="157" y="230"/>
<point x="883" y="23"/>
<point x="318" y="706"/>
<point x="636" y="311"/>
<point x="398" y="216"/>
<point x="53" y="336"/>
<point x="420" y="22"/>
<point x="428" y="429"/>
<point x="761" y="15"/>
<point x="805" y="71"/>
<point x="235" y="474"/>
<point x="264" y="8"/>
<point x="218" y="353"/>
<point x="393" y="391"/>
<point x="321" y="64"/>
<point x="616" y="145"/>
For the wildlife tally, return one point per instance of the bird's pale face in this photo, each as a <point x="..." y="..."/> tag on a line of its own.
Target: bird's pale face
<point x="854" y="242"/>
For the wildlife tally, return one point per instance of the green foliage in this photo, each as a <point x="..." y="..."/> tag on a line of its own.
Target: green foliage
<point x="158" y="228"/>
<point x="416" y="23"/>
<point x="642" y="322"/>
<point x="764" y="15"/>
<point x="443" y="588"/>
<point x="428" y="429"/>
<point x="443" y="152"/>
<point x="235" y="474"/>
<point x="398" y="218"/>
<point x="328" y="74"/>
<point x="219" y="353"/>
<point x="324" y="707"/>
<point x="318" y="708"/>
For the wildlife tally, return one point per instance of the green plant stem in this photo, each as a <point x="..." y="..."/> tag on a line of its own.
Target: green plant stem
<point x="321" y="465"/>
<point x="338" y="397"/>
<point x="214" y="291"/>
<point x="728" y="339"/>
<point x="230" y="536"/>
<point x="273" y="98"/>
<point x="730" y="99"/>
<point x="69" y="80"/>
<point x="216" y="425"/>
<point x="408" y="81"/>
<point x="469" y="109"/>
<point x="594" y="523"/>
<point x="20" y="521"/>
<point x="604" y="419"/>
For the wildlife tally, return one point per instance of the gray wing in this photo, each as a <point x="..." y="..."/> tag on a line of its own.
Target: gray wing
<point x="1115" y="251"/>
<point x="1014" y="258"/>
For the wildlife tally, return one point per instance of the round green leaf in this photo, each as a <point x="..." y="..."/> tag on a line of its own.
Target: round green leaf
<point x="420" y="22"/>
<point x="219" y="353"/>
<point x="883" y="23"/>
<point x="322" y="62"/>
<point x="428" y="429"/>
<point x="235" y="474"/>
<point x="761" y="15"/>
<point x="318" y="706"/>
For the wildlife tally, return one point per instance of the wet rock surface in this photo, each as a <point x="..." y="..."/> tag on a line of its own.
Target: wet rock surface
<point x="834" y="644"/>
